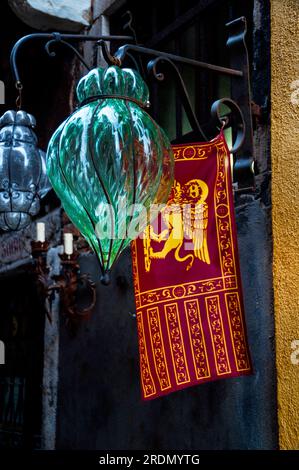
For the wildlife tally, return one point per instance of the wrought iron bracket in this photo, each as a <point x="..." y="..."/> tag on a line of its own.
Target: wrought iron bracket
<point x="239" y="103"/>
<point x="66" y="284"/>
<point x="52" y="39"/>
<point x="244" y="166"/>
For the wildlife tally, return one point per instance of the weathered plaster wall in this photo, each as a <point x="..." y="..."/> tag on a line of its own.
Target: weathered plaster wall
<point x="285" y="152"/>
<point x="57" y="15"/>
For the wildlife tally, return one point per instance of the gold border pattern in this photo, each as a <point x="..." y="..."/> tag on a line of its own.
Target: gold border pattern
<point x="217" y="334"/>
<point x="176" y="343"/>
<point x="158" y="348"/>
<point x="148" y="384"/>
<point x="237" y="331"/>
<point x="190" y="152"/>
<point x="197" y="341"/>
<point x="222" y="215"/>
<point x="189" y="289"/>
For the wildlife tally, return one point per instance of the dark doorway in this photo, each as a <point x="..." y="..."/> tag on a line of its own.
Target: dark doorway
<point x="21" y="330"/>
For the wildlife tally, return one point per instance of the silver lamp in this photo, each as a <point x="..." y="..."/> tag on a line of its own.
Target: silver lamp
<point x="23" y="180"/>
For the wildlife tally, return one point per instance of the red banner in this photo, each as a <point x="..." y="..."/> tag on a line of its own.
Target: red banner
<point x="190" y="315"/>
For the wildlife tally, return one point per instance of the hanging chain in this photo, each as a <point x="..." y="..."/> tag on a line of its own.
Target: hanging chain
<point x="19" y="87"/>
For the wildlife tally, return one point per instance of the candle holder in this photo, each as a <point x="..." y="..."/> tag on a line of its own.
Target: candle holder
<point x="41" y="271"/>
<point x="66" y="284"/>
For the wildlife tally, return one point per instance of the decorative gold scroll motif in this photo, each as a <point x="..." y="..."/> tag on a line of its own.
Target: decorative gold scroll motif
<point x="237" y="331"/>
<point x="198" y="346"/>
<point x="146" y="377"/>
<point x="135" y="273"/>
<point x="217" y="335"/>
<point x="176" y="344"/>
<point x="190" y="152"/>
<point x="222" y="212"/>
<point x="158" y="348"/>
<point x="186" y="290"/>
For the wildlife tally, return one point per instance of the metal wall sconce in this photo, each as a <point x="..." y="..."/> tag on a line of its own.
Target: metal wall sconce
<point x="66" y="283"/>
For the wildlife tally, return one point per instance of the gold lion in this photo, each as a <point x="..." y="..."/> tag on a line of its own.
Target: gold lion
<point x="186" y="217"/>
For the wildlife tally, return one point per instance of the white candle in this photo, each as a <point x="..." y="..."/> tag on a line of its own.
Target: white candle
<point x="41" y="232"/>
<point x="68" y="243"/>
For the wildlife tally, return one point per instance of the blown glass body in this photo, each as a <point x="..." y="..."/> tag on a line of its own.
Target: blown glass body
<point x="23" y="179"/>
<point x="109" y="161"/>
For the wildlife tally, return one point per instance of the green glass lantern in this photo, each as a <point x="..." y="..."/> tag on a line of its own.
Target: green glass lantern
<point x="110" y="161"/>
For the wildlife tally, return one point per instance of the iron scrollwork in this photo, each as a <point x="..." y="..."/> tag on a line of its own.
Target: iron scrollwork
<point x="239" y="102"/>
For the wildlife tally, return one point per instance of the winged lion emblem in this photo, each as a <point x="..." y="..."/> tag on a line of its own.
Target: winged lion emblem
<point x="186" y="219"/>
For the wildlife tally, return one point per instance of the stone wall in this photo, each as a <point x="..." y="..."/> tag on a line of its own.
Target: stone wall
<point x="285" y="193"/>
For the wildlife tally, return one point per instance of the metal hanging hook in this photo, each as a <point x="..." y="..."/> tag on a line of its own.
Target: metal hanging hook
<point x="109" y="58"/>
<point x="19" y="87"/>
<point x="129" y="25"/>
<point x="225" y="121"/>
<point x="165" y="62"/>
